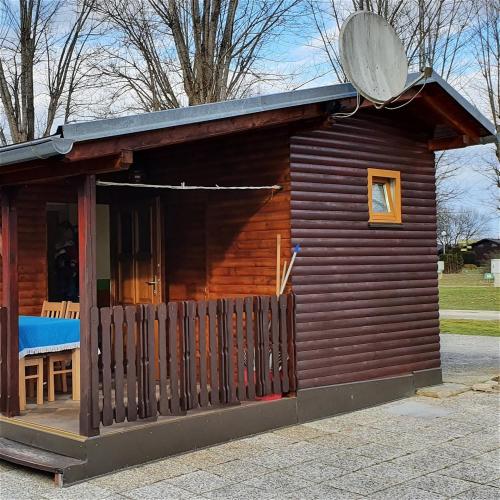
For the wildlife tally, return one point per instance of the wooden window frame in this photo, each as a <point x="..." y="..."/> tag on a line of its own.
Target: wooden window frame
<point x="392" y="180"/>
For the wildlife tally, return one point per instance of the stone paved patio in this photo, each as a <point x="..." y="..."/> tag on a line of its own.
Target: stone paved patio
<point x="468" y="359"/>
<point x="418" y="448"/>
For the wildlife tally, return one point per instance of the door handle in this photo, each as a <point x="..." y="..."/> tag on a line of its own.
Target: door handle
<point x="154" y="283"/>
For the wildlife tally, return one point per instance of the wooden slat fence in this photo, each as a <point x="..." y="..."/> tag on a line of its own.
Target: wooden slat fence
<point x="167" y="359"/>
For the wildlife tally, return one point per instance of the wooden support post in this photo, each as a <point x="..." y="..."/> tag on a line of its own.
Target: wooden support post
<point x="10" y="299"/>
<point x="278" y="264"/>
<point x="88" y="299"/>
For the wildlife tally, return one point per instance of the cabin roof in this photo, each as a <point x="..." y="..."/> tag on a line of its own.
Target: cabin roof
<point x="484" y="240"/>
<point x="67" y="135"/>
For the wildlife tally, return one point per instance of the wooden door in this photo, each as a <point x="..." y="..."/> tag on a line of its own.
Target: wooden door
<point x="136" y="257"/>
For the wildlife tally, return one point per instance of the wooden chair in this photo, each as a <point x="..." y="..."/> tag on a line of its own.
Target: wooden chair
<point x="72" y="310"/>
<point x="53" y="309"/>
<point x="30" y="362"/>
<point x="58" y="363"/>
<point x="58" y="366"/>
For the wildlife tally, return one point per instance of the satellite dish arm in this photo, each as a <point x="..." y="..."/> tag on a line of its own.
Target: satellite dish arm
<point x="426" y="73"/>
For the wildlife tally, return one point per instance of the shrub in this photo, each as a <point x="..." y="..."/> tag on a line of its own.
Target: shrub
<point x="453" y="262"/>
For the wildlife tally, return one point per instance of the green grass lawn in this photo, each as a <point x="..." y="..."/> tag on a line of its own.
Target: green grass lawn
<point x="483" y="298"/>
<point x="470" y="327"/>
<point x="468" y="277"/>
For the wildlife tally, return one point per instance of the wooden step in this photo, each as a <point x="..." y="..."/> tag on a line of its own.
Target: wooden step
<point x="35" y="458"/>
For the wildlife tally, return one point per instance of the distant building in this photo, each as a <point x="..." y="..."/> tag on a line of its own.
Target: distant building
<point x="486" y="249"/>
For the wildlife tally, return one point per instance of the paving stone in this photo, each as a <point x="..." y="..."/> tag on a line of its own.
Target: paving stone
<point x="6" y="466"/>
<point x="410" y="441"/>
<point x="160" y="491"/>
<point x="490" y="386"/>
<point x="393" y="472"/>
<point x="358" y="482"/>
<point x="238" y="449"/>
<point x="25" y="483"/>
<point x="403" y="492"/>
<point x="426" y="461"/>
<point x="418" y="409"/>
<point x="489" y="459"/>
<point x="278" y="483"/>
<point x="444" y="485"/>
<point x="445" y="390"/>
<point x="479" y="441"/>
<point x="83" y="491"/>
<point x="480" y="493"/>
<point x="297" y="453"/>
<point x="237" y="491"/>
<point x="495" y="483"/>
<point x="270" y="440"/>
<point x="274" y="460"/>
<point x="379" y="451"/>
<point x="18" y="493"/>
<point x="317" y="472"/>
<point x="209" y="455"/>
<point x="238" y="470"/>
<point x="457" y="452"/>
<point x="199" y="482"/>
<point x="326" y="425"/>
<point x="340" y="441"/>
<point x="456" y="428"/>
<point x="348" y="461"/>
<point x="300" y="433"/>
<point x="472" y="472"/>
<point x="323" y="492"/>
<point x="130" y="479"/>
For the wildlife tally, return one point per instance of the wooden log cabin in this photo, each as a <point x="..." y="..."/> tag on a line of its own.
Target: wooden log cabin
<point x="186" y="338"/>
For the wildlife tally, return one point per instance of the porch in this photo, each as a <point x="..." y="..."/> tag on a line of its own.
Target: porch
<point x="190" y="320"/>
<point x="151" y="361"/>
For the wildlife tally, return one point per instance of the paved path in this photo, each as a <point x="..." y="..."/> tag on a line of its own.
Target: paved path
<point x="468" y="359"/>
<point x="418" y="448"/>
<point x="468" y="314"/>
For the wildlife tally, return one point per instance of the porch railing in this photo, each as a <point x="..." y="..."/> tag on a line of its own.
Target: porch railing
<point x="167" y="359"/>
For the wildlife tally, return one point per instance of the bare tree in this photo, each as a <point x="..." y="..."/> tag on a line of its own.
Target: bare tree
<point x="487" y="51"/>
<point x="41" y="44"/>
<point x="433" y="32"/>
<point x="174" y="51"/>
<point x="461" y="225"/>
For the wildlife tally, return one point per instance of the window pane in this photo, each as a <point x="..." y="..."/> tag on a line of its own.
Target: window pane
<point x="380" y="201"/>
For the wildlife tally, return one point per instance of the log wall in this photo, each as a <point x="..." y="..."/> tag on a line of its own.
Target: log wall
<point x="32" y="204"/>
<point x="223" y="244"/>
<point x="367" y="297"/>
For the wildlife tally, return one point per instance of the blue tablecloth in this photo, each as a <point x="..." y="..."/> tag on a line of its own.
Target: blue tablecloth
<point x="38" y="335"/>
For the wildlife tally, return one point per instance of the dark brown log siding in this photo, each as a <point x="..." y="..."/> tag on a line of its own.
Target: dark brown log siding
<point x="367" y="297"/>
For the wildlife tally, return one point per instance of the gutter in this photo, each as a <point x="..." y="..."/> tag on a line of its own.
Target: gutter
<point x="33" y="150"/>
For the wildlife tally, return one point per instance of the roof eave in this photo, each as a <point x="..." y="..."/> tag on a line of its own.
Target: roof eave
<point x="35" y="150"/>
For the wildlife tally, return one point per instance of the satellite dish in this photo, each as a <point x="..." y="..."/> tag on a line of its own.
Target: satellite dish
<point x="373" y="57"/>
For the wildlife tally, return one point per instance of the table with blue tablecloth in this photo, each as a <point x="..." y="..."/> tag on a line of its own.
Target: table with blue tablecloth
<point x="42" y="335"/>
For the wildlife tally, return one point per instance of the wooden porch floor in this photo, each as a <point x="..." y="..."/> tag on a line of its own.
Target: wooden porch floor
<point x="63" y="415"/>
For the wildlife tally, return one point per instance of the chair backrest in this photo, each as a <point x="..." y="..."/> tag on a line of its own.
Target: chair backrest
<point x="53" y="309"/>
<point x="72" y="310"/>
